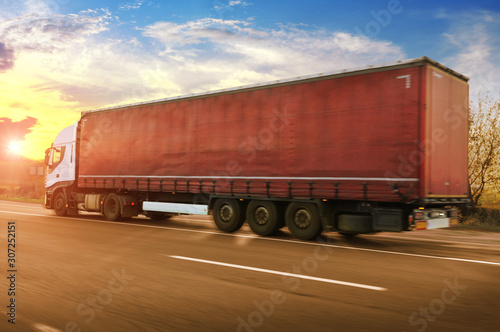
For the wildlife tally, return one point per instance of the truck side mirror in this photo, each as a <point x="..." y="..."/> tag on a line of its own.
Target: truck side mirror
<point x="47" y="157"/>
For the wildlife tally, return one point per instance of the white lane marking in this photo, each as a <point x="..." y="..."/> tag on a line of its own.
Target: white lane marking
<point x="266" y="239"/>
<point x="243" y="267"/>
<point x="392" y="237"/>
<point x="387" y="236"/>
<point x="26" y="205"/>
<point x="27" y="214"/>
<point x="245" y="241"/>
<point x="378" y="236"/>
<point x="45" y="328"/>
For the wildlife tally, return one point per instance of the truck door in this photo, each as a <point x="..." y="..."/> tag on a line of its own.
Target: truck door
<point x="59" y="164"/>
<point x="446" y="135"/>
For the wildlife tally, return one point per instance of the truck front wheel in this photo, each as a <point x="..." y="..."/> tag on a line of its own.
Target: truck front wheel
<point x="228" y="215"/>
<point x="112" y="208"/>
<point x="303" y="220"/>
<point x="60" y="205"/>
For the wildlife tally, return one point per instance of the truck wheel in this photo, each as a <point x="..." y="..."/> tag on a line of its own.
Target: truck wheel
<point x="112" y="208"/>
<point x="228" y="215"/>
<point x="303" y="220"/>
<point x="263" y="218"/>
<point x="60" y="205"/>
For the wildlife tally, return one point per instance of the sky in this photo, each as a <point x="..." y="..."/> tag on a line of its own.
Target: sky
<point x="61" y="57"/>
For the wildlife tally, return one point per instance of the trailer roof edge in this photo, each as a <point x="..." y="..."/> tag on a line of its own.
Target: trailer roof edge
<point x="295" y="80"/>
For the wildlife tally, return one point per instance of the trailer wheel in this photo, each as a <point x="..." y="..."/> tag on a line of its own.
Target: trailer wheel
<point x="228" y="215"/>
<point x="60" y="205"/>
<point x="303" y="220"/>
<point x="263" y="217"/>
<point x="112" y="208"/>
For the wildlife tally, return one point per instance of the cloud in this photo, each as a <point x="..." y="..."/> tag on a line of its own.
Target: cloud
<point x="131" y="5"/>
<point x="63" y="50"/>
<point x="221" y="7"/>
<point x="6" y="58"/>
<point x="11" y="131"/>
<point x="474" y="39"/>
<point x="50" y="64"/>
<point x="15" y="131"/>
<point x="234" y="51"/>
<point x="70" y="56"/>
<point x="52" y="32"/>
<point x="72" y="60"/>
<point x="239" y="3"/>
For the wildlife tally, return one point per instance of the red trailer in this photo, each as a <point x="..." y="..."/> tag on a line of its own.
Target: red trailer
<point x="378" y="148"/>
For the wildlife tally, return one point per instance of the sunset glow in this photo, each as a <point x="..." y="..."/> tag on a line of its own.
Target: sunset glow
<point x="15" y="147"/>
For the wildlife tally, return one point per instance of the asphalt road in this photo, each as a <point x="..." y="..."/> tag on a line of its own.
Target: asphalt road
<point x="86" y="274"/>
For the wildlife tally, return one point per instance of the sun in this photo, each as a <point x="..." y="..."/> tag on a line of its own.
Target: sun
<point x="15" y="147"/>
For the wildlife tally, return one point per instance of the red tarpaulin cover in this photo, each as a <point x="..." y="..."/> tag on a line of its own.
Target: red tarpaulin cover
<point x="349" y="136"/>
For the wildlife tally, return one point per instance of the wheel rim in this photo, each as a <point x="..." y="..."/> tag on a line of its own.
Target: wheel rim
<point x="112" y="206"/>
<point x="261" y="215"/>
<point x="59" y="204"/>
<point x="226" y="213"/>
<point x="302" y="218"/>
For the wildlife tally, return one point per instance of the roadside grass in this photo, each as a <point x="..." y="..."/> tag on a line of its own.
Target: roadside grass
<point x="22" y="199"/>
<point x="486" y="216"/>
<point x="21" y="193"/>
<point x="481" y="218"/>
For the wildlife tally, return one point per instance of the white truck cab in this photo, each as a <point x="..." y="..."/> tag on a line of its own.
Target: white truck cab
<point x="60" y="159"/>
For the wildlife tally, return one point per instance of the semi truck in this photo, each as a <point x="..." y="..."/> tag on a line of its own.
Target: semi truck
<point x="356" y="151"/>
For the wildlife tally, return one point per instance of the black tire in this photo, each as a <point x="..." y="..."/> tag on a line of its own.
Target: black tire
<point x="263" y="217"/>
<point x="303" y="220"/>
<point x="112" y="208"/>
<point x="228" y="215"/>
<point x="60" y="205"/>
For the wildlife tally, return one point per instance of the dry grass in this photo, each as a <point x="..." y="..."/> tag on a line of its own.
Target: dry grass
<point x="24" y="192"/>
<point x="490" y="199"/>
<point x="481" y="218"/>
<point x="487" y="215"/>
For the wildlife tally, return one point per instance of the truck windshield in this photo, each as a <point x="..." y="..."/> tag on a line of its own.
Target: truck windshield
<point x="57" y="157"/>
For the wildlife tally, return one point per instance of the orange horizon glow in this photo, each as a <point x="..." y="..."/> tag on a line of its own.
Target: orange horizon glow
<point x="51" y="110"/>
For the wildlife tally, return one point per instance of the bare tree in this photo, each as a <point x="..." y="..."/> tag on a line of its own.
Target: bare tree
<point x="484" y="146"/>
